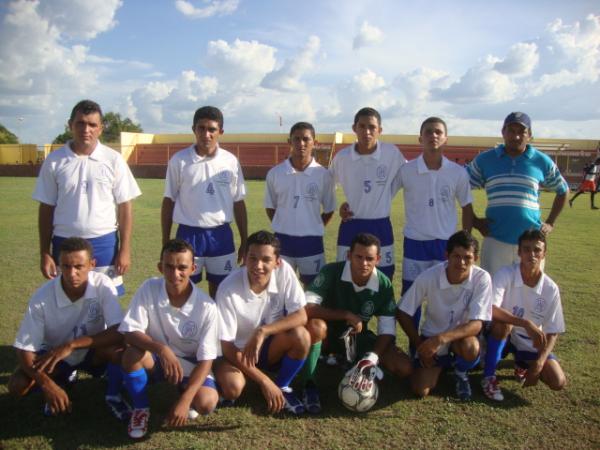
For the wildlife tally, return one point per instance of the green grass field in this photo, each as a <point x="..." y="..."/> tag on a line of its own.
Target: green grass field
<point x="528" y="418"/>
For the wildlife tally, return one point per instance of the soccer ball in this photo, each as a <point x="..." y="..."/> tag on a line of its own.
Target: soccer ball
<point x="354" y="400"/>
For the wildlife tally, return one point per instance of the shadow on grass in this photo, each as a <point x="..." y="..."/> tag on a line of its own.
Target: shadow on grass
<point x="89" y="424"/>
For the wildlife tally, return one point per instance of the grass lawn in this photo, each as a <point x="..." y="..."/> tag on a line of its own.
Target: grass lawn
<point x="528" y="418"/>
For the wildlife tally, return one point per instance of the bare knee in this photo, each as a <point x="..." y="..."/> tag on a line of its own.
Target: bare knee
<point x="499" y="330"/>
<point x="317" y="329"/>
<point x="232" y="389"/>
<point x="132" y="359"/>
<point x="299" y="342"/>
<point x="206" y="400"/>
<point x="467" y="348"/>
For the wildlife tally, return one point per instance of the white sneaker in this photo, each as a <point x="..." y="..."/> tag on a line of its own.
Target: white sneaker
<point x="193" y="414"/>
<point x="138" y="423"/>
<point x="491" y="388"/>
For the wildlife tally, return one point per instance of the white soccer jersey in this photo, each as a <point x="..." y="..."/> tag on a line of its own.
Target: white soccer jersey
<point x="297" y="197"/>
<point x="241" y="311"/>
<point x="449" y="305"/>
<point x="429" y="198"/>
<point x="52" y="319"/>
<point x="204" y="188"/>
<point x="191" y="331"/>
<point x="540" y="304"/>
<point x="85" y="190"/>
<point x="369" y="181"/>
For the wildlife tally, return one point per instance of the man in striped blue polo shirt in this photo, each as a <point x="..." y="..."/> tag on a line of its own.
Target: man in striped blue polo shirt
<point x="512" y="174"/>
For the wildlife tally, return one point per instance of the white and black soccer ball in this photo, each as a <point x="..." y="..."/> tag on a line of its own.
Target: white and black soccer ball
<point x="355" y="400"/>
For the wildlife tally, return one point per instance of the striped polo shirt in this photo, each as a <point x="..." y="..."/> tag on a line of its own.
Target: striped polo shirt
<point x="512" y="187"/>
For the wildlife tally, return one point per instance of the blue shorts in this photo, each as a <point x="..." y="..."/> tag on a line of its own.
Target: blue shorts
<point x="420" y="256"/>
<point x="105" y="252"/>
<point x="306" y="253"/>
<point x="443" y="361"/>
<point x="522" y="357"/>
<point x="381" y="228"/>
<point x="213" y="249"/>
<point x="157" y="375"/>
<point x="63" y="370"/>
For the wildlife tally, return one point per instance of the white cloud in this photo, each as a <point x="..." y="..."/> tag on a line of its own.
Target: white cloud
<point x="241" y="65"/>
<point x="80" y="19"/>
<point x="287" y="78"/>
<point x="211" y="8"/>
<point x="367" y="35"/>
<point x="521" y="60"/>
<point x="160" y="105"/>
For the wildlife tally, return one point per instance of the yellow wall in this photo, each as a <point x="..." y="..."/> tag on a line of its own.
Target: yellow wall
<point x="18" y="153"/>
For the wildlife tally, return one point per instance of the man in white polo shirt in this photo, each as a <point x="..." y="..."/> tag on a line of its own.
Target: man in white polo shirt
<point x="458" y="296"/>
<point x="432" y="186"/>
<point x="296" y="192"/>
<point x="204" y="193"/>
<point x="71" y="324"/>
<point x="261" y="326"/>
<point x="171" y="332"/>
<point x="85" y="190"/>
<point x="527" y="310"/>
<point x="367" y="172"/>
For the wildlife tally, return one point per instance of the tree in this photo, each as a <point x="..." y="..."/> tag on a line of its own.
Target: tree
<point x="113" y="125"/>
<point x="6" y="137"/>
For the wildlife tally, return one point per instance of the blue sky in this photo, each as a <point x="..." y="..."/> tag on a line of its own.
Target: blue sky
<point x="157" y="61"/>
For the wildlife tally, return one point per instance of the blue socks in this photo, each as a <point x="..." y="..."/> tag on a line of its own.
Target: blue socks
<point x="462" y="365"/>
<point x="289" y="369"/>
<point x="114" y="376"/>
<point x="135" y="382"/>
<point x="493" y="355"/>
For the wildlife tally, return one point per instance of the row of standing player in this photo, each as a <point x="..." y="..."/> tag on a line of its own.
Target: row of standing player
<point x="190" y="176"/>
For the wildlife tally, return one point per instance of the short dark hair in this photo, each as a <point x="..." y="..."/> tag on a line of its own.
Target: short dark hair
<point x="303" y="126"/>
<point x="433" y="120"/>
<point x="367" y="112"/>
<point x="462" y="239"/>
<point x="533" y="235"/>
<point x="366" y="240"/>
<point x="176" y="246"/>
<point x="264" y="237"/>
<point x="86" y="107"/>
<point x="76" y="244"/>
<point x="210" y="113"/>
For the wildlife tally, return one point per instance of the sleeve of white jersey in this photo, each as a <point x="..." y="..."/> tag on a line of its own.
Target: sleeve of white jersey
<point x="328" y="198"/>
<point x="173" y="178"/>
<point x="414" y="297"/>
<point x="500" y="283"/>
<point x="209" y="335"/>
<point x="136" y="318"/>
<point x="463" y="189"/>
<point x="554" y="322"/>
<point x="480" y="306"/>
<point x="125" y="187"/>
<point x="227" y="328"/>
<point x="294" y="297"/>
<point x="46" y="188"/>
<point x="239" y="188"/>
<point x="113" y="313"/>
<point x="270" y="200"/>
<point x="30" y="336"/>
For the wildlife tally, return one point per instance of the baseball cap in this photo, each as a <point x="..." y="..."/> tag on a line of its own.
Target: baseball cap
<point x="518" y="117"/>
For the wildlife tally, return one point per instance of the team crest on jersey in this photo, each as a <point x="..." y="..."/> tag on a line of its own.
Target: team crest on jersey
<point x="312" y="190"/>
<point x="367" y="309"/>
<point x="381" y="172"/>
<point x="445" y="194"/>
<point x="189" y="329"/>
<point x="540" y="305"/>
<point x="94" y="312"/>
<point x="319" y="280"/>
<point x="224" y="176"/>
